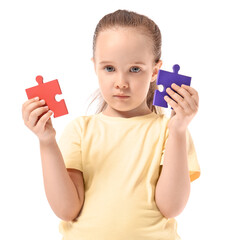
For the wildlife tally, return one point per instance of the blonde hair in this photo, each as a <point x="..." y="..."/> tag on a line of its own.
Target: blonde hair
<point x="124" y="18"/>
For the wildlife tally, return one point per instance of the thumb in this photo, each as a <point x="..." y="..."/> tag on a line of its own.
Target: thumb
<point x="49" y="121"/>
<point x="173" y="113"/>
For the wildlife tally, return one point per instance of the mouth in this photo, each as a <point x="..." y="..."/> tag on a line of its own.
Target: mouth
<point x="120" y="96"/>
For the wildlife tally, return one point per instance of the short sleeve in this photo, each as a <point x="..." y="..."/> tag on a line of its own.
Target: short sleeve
<point x="193" y="164"/>
<point x="70" y="145"/>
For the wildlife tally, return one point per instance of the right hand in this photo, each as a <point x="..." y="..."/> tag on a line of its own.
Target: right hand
<point x="37" y="118"/>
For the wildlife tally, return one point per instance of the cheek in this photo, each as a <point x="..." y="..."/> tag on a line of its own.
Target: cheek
<point x="105" y="87"/>
<point x="105" y="81"/>
<point x="140" y="86"/>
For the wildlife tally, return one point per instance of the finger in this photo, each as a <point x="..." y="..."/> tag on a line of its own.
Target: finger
<point x="187" y="101"/>
<point x="30" y="101"/>
<point x="182" y="99"/>
<point x="193" y="92"/>
<point x="36" y="114"/>
<point x="190" y="89"/>
<point x="176" y="107"/>
<point x="43" y="120"/>
<point x="25" y="105"/>
<point x="31" y="107"/>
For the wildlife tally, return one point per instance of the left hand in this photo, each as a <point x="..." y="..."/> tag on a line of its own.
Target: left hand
<point x="185" y="106"/>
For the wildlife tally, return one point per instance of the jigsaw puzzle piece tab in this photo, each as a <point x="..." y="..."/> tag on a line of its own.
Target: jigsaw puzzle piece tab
<point x="166" y="79"/>
<point x="48" y="91"/>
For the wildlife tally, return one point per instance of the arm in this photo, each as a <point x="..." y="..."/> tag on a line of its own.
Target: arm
<point x="60" y="190"/>
<point x="173" y="187"/>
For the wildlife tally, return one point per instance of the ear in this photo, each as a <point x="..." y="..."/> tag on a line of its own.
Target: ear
<point x="156" y="69"/>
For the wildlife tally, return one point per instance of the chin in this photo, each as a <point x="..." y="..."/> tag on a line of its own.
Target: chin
<point x="121" y="108"/>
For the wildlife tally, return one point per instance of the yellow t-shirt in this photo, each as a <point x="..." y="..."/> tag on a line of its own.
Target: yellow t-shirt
<point x="120" y="159"/>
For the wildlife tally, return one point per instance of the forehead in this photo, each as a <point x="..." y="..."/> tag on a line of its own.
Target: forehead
<point x="123" y="44"/>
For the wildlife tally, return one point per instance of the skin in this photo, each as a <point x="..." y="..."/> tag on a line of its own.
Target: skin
<point x="173" y="186"/>
<point x="122" y="47"/>
<point x="36" y="116"/>
<point x="63" y="187"/>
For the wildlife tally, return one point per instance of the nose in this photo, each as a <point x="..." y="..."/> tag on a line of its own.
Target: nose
<point x="121" y="83"/>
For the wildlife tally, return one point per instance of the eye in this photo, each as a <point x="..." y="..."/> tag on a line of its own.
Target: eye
<point x="109" y="69"/>
<point x="136" y="68"/>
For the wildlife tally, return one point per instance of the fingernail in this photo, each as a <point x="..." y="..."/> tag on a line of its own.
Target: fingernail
<point x="42" y="101"/>
<point x="36" y="98"/>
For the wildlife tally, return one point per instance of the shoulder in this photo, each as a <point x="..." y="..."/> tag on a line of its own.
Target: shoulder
<point x="79" y="122"/>
<point x="163" y="119"/>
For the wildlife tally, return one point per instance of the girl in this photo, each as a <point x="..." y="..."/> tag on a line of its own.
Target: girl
<point x="113" y="175"/>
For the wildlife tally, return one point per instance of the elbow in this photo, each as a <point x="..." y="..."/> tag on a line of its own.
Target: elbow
<point x="65" y="218"/>
<point x="69" y="217"/>
<point x="171" y="214"/>
<point x="171" y="205"/>
<point x="171" y="211"/>
<point x="69" y="214"/>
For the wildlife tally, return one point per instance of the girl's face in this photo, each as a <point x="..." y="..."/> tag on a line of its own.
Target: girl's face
<point x="124" y="66"/>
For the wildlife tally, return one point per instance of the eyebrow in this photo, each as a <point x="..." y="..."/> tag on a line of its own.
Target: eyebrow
<point x="105" y="62"/>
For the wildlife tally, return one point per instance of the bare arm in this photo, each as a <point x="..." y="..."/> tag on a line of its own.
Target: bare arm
<point x="60" y="189"/>
<point x="173" y="187"/>
<point x="61" y="192"/>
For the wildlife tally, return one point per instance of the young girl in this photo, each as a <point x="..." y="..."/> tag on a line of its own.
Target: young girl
<point x="124" y="172"/>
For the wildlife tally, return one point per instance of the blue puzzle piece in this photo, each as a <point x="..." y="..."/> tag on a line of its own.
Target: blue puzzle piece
<point x="166" y="79"/>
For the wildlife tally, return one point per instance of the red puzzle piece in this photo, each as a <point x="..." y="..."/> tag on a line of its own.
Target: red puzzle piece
<point x="48" y="91"/>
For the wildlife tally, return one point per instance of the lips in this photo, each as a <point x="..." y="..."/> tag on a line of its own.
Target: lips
<point x="120" y="95"/>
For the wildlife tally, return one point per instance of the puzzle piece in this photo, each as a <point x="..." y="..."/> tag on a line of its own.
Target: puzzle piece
<point x="48" y="91"/>
<point x="166" y="79"/>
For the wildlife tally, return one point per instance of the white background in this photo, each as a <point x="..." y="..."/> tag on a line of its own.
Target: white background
<point x="54" y="39"/>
